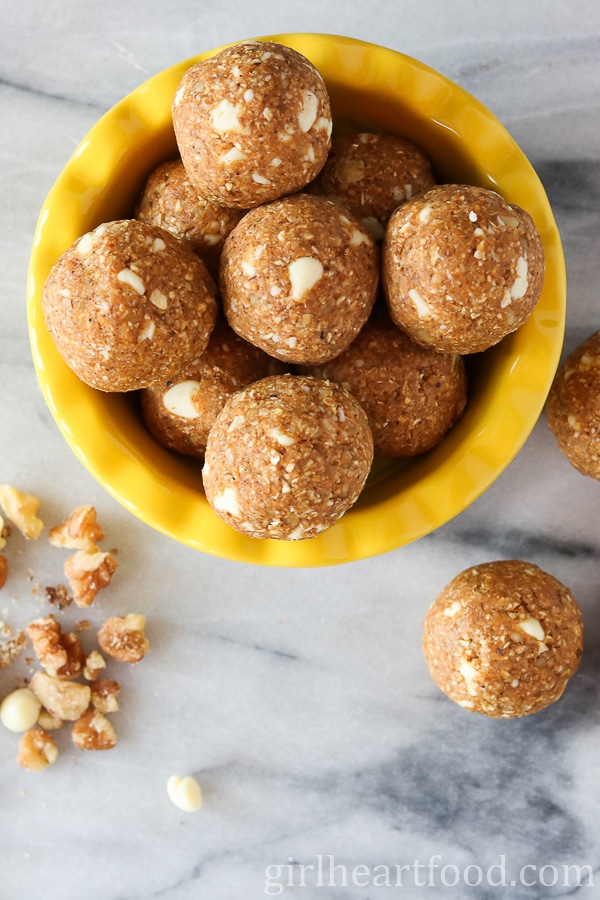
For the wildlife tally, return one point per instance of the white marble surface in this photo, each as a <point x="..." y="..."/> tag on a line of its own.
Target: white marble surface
<point x="300" y="699"/>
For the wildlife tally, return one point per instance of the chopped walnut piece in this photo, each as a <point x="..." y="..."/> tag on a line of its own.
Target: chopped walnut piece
<point x="88" y="572"/>
<point x="79" y="531"/>
<point x="49" y="722"/>
<point x="104" y="695"/>
<point x="60" y="654"/>
<point x="58" y="596"/>
<point x="11" y="644"/>
<point x="123" y="638"/>
<point x="93" y="665"/>
<point x="45" y="635"/>
<point x="83" y="625"/>
<point x="65" y="699"/>
<point x="3" y="571"/>
<point x="93" y="731"/>
<point x="21" y="509"/>
<point x="37" y="750"/>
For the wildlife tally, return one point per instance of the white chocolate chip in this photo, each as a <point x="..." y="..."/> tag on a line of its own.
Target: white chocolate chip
<point x="532" y="627"/>
<point x="473" y="216"/>
<point x="358" y="238"/>
<point x="308" y="114"/>
<point x="227" y="502"/>
<point x="158" y="244"/>
<point x="259" y="179"/>
<point x="521" y="284"/>
<point x="128" y="276"/>
<point x="275" y="162"/>
<point x="454" y="607"/>
<point x="248" y="95"/>
<point x="146" y="334"/>
<point x="179" y="401"/>
<point x="304" y="273"/>
<point x="248" y="269"/>
<point x="225" y="117"/>
<point x="233" y="155"/>
<point x="20" y="710"/>
<point x="185" y="793"/>
<point x="469" y="673"/>
<point x="158" y="299"/>
<point x="85" y="244"/>
<point x="422" y="309"/>
<point x="425" y="215"/>
<point x="286" y="440"/>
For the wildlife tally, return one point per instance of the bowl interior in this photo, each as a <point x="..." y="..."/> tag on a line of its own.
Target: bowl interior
<point x="371" y="88"/>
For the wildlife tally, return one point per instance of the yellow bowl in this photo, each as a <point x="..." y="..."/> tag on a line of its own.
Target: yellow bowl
<point x="371" y="88"/>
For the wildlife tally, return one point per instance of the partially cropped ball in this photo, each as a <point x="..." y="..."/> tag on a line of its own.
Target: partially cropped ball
<point x="412" y="395"/>
<point x="252" y="123"/>
<point x="181" y="412"/>
<point x="298" y="278"/>
<point x="372" y="174"/>
<point x="287" y="457"/>
<point x="129" y="306"/>
<point x="461" y="268"/>
<point x="503" y="639"/>
<point x="169" y="199"/>
<point x="573" y="407"/>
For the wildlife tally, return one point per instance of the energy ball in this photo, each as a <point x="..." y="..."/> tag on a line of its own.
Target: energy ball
<point x="180" y="413"/>
<point x="412" y="395"/>
<point x="252" y="123"/>
<point x="298" y="278"/>
<point x="287" y="457"/>
<point x="371" y="175"/>
<point x="573" y="407"/>
<point x="461" y="268"/>
<point x="503" y="639"/>
<point x="169" y="200"/>
<point x="129" y="306"/>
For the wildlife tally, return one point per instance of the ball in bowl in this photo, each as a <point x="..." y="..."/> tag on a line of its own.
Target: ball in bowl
<point x="371" y="88"/>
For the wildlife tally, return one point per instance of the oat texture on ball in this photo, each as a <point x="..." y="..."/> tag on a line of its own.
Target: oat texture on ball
<point x="181" y="413"/>
<point x="503" y="638"/>
<point x="128" y="305"/>
<point x="252" y="123"/>
<point x="287" y="457"/>
<point x="573" y="407"/>
<point x="298" y="278"/>
<point x="372" y="174"/>
<point x="461" y="268"/>
<point x="412" y="395"/>
<point x="169" y="200"/>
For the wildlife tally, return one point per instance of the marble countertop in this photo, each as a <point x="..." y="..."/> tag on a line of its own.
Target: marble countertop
<point x="299" y="699"/>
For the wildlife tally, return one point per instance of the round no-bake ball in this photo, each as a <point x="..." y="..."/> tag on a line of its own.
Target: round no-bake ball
<point x="181" y="412"/>
<point x="373" y="174"/>
<point x="503" y="639"/>
<point x="169" y="200"/>
<point x="412" y="395"/>
<point x="461" y="268"/>
<point x="128" y="305"/>
<point x="298" y="278"/>
<point x="252" y="123"/>
<point x="287" y="457"/>
<point x="573" y="407"/>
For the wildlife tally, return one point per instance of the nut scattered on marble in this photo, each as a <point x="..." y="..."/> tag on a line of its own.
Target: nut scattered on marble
<point x="21" y="509"/>
<point x="37" y="750"/>
<point x="123" y="638"/>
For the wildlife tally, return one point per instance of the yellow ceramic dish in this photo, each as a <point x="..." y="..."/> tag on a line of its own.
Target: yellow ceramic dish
<point x="371" y="88"/>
